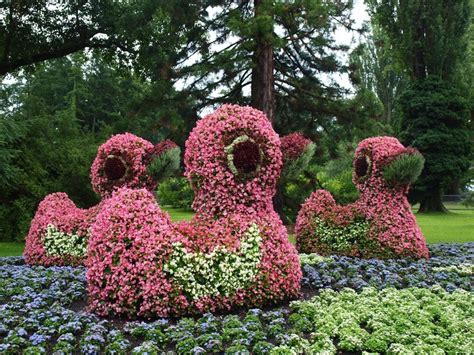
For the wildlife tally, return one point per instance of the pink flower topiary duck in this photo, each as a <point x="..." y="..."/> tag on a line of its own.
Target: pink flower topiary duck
<point x="60" y="230"/>
<point x="235" y="251"/>
<point x="380" y="223"/>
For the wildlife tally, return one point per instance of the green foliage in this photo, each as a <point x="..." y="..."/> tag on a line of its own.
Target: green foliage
<point x="340" y="186"/>
<point x="435" y="121"/>
<point x="135" y="32"/>
<point x="293" y="168"/>
<point x="11" y="132"/>
<point x="165" y="165"/>
<point x="175" y="192"/>
<point x="427" y="38"/>
<point x="404" y="170"/>
<point x="50" y="129"/>
<point x="336" y="175"/>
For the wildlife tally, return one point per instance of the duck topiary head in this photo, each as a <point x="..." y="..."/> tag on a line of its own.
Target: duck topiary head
<point x="126" y="160"/>
<point x="384" y="163"/>
<point x="233" y="161"/>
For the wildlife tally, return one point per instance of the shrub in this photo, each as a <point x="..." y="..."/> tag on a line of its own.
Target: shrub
<point x="404" y="170"/>
<point x="175" y="192"/>
<point x="165" y="160"/>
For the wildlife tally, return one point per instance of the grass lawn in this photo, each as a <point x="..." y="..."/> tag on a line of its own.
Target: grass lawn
<point x="11" y="248"/>
<point x="177" y="214"/>
<point x="453" y="227"/>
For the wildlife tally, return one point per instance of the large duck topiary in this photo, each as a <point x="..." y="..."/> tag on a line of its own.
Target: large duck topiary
<point x="380" y="223"/>
<point x="235" y="252"/>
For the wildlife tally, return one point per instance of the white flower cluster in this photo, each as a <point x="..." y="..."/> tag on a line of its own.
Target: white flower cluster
<point x="462" y="269"/>
<point x="59" y="243"/>
<point x="220" y="272"/>
<point x="342" y="238"/>
<point x="313" y="259"/>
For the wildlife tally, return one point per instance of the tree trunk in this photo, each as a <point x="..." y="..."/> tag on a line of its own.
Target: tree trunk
<point x="431" y="202"/>
<point x="263" y="92"/>
<point x="278" y="203"/>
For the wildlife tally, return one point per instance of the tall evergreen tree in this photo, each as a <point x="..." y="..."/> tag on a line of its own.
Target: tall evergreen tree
<point x="435" y="118"/>
<point x="429" y="41"/>
<point x="283" y="51"/>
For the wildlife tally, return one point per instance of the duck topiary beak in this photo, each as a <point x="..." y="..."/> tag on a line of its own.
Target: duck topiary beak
<point x="404" y="169"/>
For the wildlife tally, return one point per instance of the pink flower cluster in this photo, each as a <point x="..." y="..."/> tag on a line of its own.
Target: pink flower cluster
<point x="133" y="153"/>
<point x="163" y="146"/>
<point x="132" y="239"/>
<point x="393" y="230"/>
<point x="218" y="191"/>
<point x="123" y="154"/>
<point x="57" y="209"/>
<point x="293" y="145"/>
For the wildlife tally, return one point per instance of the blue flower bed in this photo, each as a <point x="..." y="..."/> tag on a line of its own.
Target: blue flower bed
<point x="409" y="306"/>
<point x="448" y="267"/>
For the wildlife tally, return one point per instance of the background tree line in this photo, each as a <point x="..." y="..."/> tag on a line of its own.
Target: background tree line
<point x="76" y="72"/>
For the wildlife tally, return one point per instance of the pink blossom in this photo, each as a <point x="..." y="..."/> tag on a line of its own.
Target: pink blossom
<point x="293" y="145"/>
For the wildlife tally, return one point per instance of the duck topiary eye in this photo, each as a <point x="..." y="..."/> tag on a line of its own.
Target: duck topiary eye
<point x="115" y="167"/>
<point x="244" y="156"/>
<point x="362" y="166"/>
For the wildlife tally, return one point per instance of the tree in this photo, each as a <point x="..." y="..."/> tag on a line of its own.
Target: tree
<point x="429" y="41"/>
<point x="377" y="70"/>
<point x="280" y="49"/>
<point x="428" y="37"/>
<point x="435" y="120"/>
<point x="136" y="31"/>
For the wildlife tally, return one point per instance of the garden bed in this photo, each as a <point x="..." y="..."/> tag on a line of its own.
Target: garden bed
<point x="348" y="305"/>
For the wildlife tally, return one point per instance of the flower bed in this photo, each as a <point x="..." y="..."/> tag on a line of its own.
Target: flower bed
<point x="449" y="267"/>
<point x="42" y="311"/>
